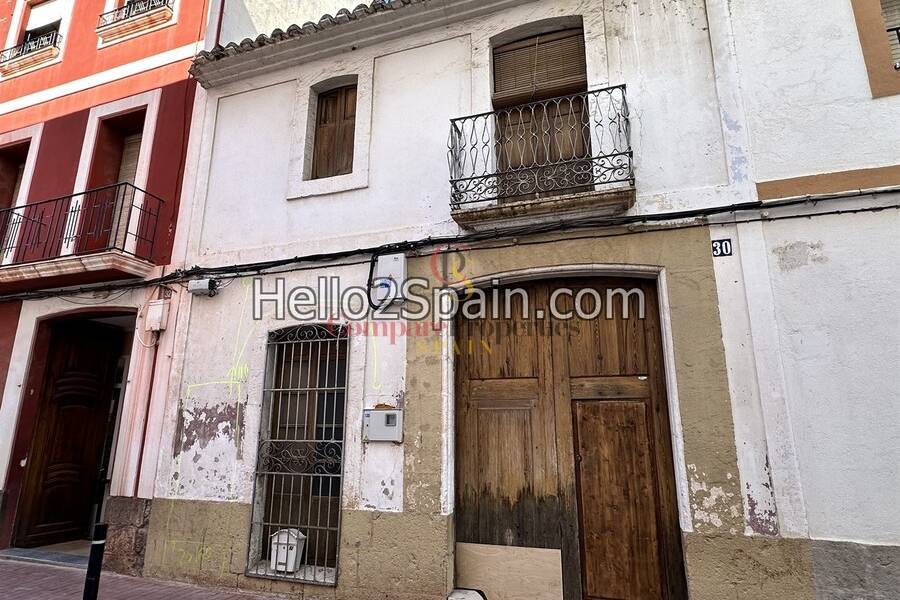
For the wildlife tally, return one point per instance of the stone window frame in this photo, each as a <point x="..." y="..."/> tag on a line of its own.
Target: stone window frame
<point x="884" y="78"/>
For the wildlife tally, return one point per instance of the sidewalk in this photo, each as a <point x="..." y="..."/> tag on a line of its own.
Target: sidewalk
<point x="29" y="581"/>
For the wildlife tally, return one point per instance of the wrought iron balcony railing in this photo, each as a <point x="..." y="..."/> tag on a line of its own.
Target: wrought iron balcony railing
<point x="132" y="9"/>
<point x="48" y="40"/>
<point x="115" y="217"/>
<point x="566" y="144"/>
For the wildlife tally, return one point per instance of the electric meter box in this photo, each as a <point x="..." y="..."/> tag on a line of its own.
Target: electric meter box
<point x="389" y="275"/>
<point x="287" y="550"/>
<point x="383" y="425"/>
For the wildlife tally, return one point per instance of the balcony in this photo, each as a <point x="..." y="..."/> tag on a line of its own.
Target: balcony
<point x="30" y="54"/>
<point x="563" y="158"/>
<point x="100" y="235"/>
<point x="133" y="18"/>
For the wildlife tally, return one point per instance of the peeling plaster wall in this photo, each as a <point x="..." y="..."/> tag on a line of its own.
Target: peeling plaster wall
<point x="806" y="90"/>
<point x="812" y="339"/>
<point x="213" y="420"/>
<point x="836" y="308"/>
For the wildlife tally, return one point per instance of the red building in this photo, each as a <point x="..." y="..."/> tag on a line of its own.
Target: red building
<point x="95" y="113"/>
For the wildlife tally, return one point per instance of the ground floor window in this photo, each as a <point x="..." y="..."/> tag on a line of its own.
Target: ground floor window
<point x="295" y="532"/>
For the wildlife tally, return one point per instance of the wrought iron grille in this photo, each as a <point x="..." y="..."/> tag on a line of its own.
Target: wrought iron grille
<point x="115" y="217"/>
<point x="299" y="462"/>
<point x="566" y="144"/>
<point x="48" y="40"/>
<point x="132" y="9"/>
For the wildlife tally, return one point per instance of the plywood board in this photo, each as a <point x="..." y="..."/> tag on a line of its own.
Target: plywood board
<point x="510" y="573"/>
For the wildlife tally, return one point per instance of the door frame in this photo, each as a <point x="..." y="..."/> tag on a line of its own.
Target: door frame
<point x="586" y="270"/>
<point x="28" y="409"/>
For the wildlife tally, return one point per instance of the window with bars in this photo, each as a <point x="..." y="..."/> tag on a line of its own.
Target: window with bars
<point x="295" y="529"/>
<point x="890" y="9"/>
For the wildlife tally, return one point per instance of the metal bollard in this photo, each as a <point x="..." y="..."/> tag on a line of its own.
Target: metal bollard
<point x="95" y="562"/>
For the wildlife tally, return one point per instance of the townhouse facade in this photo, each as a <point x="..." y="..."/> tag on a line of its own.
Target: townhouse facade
<point x="95" y="111"/>
<point x="727" y="173"/>
<point x="718" y="159"/>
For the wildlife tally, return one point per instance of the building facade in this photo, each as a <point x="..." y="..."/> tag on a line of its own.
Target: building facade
<point x="670" y="231"/>
<point x="95" y="111"/>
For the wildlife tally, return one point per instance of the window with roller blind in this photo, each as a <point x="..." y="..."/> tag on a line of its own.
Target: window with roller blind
<point x="334" y="132"/>
<point x="43" y="19"/>
<point x="539" y="68"/>
<point x="890" y="9"/>
<point x="541" y="114"/>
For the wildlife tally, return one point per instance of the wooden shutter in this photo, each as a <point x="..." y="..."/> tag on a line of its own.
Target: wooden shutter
<point x="540" y="67"/>
<point x="335" y="128"/>
<point x="891" y="11"/>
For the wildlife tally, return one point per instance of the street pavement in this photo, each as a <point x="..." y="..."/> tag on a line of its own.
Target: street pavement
<point x="32" y="581"/>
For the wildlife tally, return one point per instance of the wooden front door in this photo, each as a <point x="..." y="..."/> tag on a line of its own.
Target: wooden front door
<point x="563" y="441"/>
<point x="63" y="463"/>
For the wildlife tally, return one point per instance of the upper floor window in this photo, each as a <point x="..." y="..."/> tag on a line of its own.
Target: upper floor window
<point x="890" y="9"/>
<point x="129" y="18"/>
<point x="878" y="25"/>
<point x="540" y="67"/>
<point x="36" y="35"/>
<point x="334" y="133"/>
<point x="44" y="20"/>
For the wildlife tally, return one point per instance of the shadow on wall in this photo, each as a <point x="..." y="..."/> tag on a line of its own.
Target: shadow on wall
<point x="249" y="18"/>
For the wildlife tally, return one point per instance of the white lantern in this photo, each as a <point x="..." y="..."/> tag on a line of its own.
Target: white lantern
<point x="287" y="550"/>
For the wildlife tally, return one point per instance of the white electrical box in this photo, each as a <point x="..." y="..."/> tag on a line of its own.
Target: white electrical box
<point x="157" y="316"/>
<point x="383" y="425"/>
<point x="388" y="278"/>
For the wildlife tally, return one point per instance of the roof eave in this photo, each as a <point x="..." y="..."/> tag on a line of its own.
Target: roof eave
<point x="299" y="45"/>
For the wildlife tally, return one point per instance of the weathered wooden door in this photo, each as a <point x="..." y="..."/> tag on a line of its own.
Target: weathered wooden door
<point x="63" y="463"/>
<point x="563" y="440"/>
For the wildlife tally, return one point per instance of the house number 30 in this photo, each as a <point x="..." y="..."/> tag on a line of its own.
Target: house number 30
<point x="722" y="248"/>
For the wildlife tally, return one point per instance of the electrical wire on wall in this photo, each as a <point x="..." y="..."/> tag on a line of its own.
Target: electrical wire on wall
<point x="632" y="224"/>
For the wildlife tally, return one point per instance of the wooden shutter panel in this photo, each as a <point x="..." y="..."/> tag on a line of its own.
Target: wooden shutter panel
<point x="891" y="11"/>
<point x="540" y="67"/>
<point x="335" y="129"/>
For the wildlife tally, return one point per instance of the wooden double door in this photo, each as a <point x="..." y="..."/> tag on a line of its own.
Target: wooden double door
<point x="563" y="438"/>
<point x="72" y="423"/>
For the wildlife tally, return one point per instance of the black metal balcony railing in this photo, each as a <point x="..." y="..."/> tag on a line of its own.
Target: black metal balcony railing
<point x="48" y="40"/>
<point x="132" y="9"/>
<point x="571" y="143"/>
<point x="115" y="217"/>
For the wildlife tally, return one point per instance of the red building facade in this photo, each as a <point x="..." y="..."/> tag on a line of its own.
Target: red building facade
<point x="95" y="113"/>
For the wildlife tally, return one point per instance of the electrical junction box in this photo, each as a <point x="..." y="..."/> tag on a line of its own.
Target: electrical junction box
<point x="157" y="316"/>
<point x="388" y="278"/>
<point x="383" y="425"/>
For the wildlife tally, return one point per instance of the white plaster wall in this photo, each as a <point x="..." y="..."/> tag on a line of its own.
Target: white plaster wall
<point x="812" y="340"/>
<point x="247" y="198"/>
<point x="216" y="396"/>
<point x="806" y="90"/>
<point x="836" y="307"/>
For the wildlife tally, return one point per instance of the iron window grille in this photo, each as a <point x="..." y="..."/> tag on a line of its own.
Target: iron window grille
<point x="894" y="36"/>
<point x="118" y="217"/>
<point x="565" y="144"/>
<point x="132" y="9"/>
<point x="299" y="462"/>
<point x="51" y="39"/>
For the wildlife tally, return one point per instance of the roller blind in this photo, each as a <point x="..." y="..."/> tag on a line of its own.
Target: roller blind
<point x="131" y="152"/>
<point x="891" y="11"/>
<point x="540" y="67"/>
<point x="44" y="14"/>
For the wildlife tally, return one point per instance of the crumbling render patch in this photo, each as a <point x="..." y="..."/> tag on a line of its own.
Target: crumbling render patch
<point x="799" y="254"/>
<point x="711" y="505"/>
